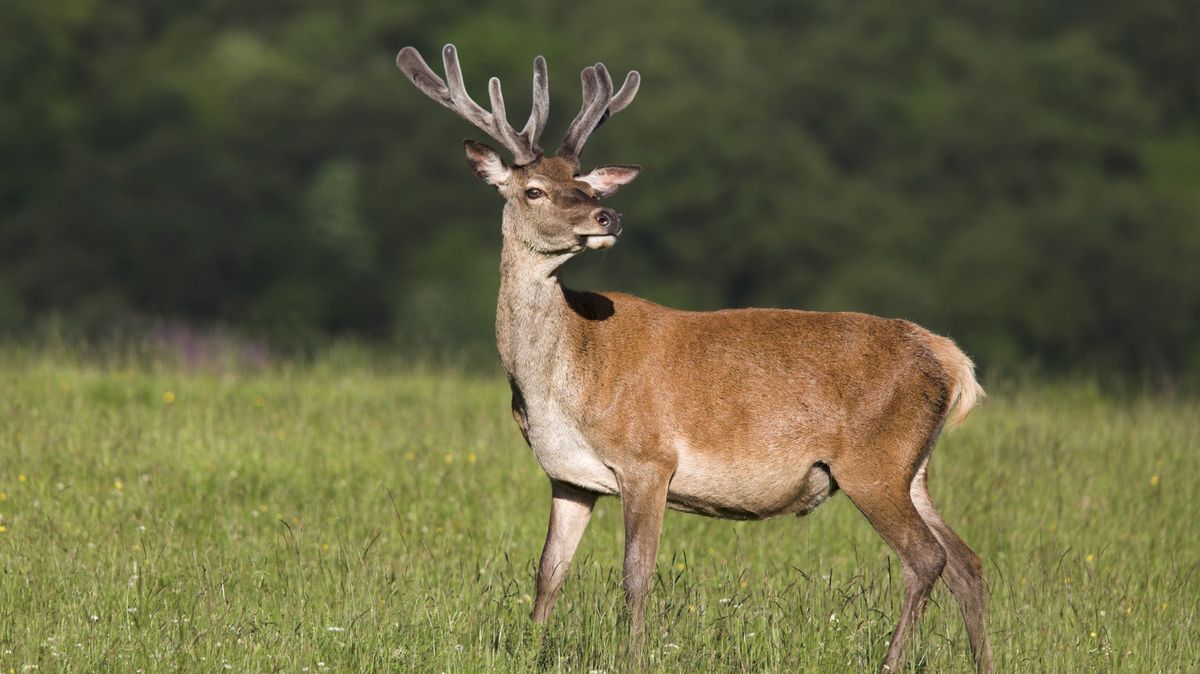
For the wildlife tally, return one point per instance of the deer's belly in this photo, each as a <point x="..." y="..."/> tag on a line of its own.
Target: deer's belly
<point x="784" y="484"/>
<point x="566" y="455"/>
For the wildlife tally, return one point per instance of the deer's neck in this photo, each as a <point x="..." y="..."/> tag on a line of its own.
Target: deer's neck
<point x="532" y="316"/>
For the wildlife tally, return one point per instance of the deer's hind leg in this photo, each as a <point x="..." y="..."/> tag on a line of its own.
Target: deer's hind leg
<point x="881" y="493"/>
<point x="963" y="573"/>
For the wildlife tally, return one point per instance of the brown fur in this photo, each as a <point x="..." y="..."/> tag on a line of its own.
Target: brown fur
<point x="750" y="391"/>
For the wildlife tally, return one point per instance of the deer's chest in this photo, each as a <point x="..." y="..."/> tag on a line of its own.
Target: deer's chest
<point x="560" y="447"/>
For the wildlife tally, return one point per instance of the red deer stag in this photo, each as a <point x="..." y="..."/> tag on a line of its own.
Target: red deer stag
<point x="742" y="414"/>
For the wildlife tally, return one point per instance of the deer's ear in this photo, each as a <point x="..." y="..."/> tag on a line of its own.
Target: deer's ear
<point x="486" y="163"/>
<point x="606" y="180"/>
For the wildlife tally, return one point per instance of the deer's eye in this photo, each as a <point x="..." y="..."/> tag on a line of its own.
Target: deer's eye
<point x="534" y="193"/>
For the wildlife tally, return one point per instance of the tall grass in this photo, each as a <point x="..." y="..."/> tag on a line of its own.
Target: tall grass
<point x="338" y="516"/>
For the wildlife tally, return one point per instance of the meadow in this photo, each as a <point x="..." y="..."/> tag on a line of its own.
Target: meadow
<point x="347" y="514"/>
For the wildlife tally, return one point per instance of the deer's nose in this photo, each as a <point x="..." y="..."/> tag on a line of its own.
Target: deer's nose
<point x="609" y="219"/>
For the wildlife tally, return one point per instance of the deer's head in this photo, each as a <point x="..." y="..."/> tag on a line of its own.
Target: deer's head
<point x="549" y="206"/>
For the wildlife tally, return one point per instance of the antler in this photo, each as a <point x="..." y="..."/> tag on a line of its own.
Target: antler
<point x="452" y="93"/>
<point x="599" y="103"/>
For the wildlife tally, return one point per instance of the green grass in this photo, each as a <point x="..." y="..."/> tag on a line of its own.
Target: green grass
<point x="344" y="517"/>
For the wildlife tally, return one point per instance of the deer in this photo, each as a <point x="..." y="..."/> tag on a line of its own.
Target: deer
<point x="742" y="414"/>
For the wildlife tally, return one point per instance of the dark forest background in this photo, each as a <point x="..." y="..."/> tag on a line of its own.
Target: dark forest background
<point x="1023" y="176"/>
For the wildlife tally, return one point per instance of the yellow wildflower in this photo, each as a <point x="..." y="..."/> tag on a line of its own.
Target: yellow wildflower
<point x="1091" y="558"/>
<point x="3" y="528"/>
<point x="21" y="477"/>
<point x="471" y="457"/>
<point x="3" y="496"/>
<point x="680" y="566"/>
<point x="169" y="397"/>
<point x="118" y="485"/>
<point x="1154" y="480"/>
<point x="449" y="458"/>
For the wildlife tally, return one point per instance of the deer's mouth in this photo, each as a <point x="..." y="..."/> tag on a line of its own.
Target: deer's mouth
<point x="600" y="241"/>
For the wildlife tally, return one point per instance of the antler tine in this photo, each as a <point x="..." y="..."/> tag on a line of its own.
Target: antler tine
<point x="591" y="84"/>
<point x="587" y="80"/>
<point x="523" y="152"/>
<point x="452" y="93"/>
<point x="606" y="85"/>
<point x="532" y="132"/>
<point x="463" y="102"/>
<point x="597" y="90"/>
<point x="605" y="79"/>
<point x="628" y="90"/>
<point x="418" y="72"/>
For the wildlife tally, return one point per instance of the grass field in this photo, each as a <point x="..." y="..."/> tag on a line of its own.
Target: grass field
<point x="344" y="516"/>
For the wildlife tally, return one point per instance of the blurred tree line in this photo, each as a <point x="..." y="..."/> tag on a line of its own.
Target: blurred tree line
<point x="1023" y="176"/>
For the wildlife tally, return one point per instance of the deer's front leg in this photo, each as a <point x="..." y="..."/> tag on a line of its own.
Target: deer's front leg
<point x="570" y="511"/>
<point x="643" y="500"/>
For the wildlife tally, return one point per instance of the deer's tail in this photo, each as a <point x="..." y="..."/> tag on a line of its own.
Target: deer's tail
<point x="965" y="391"/>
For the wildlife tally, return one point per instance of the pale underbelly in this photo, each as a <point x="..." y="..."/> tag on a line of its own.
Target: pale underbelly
<point x="729" y="491"/>
<point x="747" y="494"/>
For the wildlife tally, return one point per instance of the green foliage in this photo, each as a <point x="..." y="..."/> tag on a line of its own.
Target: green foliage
<point x="356" y="515"/>
<point x="1020" y="176"/>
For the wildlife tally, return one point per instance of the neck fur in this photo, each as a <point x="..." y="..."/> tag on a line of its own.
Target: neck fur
<point x="531" y="312"/>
